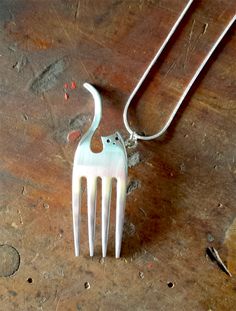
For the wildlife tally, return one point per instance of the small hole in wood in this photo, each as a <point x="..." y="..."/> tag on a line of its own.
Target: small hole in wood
<point x="30" y="280"/>
<point x="86" y="285"/>
<point x="170" y="285"/>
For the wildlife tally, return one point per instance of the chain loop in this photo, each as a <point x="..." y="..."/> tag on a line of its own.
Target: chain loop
<point x="185" y="92"/>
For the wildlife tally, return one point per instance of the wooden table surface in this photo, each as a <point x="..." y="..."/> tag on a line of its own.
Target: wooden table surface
<point x="182" y="196"/>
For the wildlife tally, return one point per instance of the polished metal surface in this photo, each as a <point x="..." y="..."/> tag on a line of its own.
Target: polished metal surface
<point x="110" y="163"/>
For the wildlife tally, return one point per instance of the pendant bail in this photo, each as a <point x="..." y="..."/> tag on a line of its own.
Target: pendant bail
<point x="132" y="141"/>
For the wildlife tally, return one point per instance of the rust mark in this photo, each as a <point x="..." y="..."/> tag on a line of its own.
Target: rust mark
<point x="73" y="85"/>
<point x="73" y="135"/>
<point x="73" y="128"/>
<point x="34" y="41"/>
<point x="41" y="44"/>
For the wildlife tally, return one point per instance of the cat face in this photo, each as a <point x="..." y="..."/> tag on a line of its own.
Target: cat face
<point x="113" y="141"/>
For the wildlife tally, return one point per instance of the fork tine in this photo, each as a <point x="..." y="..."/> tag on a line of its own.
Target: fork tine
<point x="106" y="197"/>
<point x="120" y="209"/>
<point x="76" y="205"/>
<point x="91" y="202"/>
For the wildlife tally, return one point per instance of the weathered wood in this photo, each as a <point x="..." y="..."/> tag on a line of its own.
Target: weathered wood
<point x="182" y="192"/>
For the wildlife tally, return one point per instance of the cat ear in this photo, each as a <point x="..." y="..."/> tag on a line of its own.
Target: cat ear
<point x="117" y="135"/>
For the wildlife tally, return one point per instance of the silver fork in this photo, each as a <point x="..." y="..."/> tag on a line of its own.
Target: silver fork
<point x="110" y="163"/>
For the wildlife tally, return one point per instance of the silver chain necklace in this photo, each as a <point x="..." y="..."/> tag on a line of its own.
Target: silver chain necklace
<point x="111" y="163"/>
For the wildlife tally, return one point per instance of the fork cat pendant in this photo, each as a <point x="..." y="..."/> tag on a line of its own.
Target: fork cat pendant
<point x="110" y="163"/>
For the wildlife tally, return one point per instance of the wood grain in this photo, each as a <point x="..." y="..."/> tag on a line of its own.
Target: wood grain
<point x="185" y="199"/>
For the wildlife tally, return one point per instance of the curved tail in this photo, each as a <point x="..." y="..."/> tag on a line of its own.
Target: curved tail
<point x="97" y="113"/>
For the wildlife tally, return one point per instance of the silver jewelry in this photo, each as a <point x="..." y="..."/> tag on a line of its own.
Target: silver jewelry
<point x="111" y="162"/>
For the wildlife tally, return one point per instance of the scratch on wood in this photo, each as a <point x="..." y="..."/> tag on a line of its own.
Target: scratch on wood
<point x="142" y="210"/>
<point x="203" y="32"/>
<point x="77" y="11"/>
<point x="82" y="63"/>
<point x="21" y="63"/>
<point x="35" y="257"/>
<point x="92" y="38"/>
<point x="23" y="191"/>
<point x="172" y="66"/>
<point x="55" y="125"/>
<point x="62" y="25"/>
<point x="58" y="302"/>
<point x="20" y="216"/>
<point x="214" y="255"/>
<point x="205" y="28"/>
<point x="68" y="36"/>
<point x="189" y="43"/>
